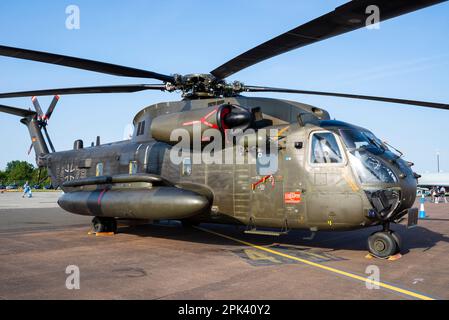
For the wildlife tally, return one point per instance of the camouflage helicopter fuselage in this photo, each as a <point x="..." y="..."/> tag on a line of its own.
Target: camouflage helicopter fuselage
<point x="300" y="194"/>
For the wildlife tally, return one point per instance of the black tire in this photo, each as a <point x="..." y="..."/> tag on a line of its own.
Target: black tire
<point x="382" y="244"/>
<point x="398" y="240"/>
<point x="98" y="225"/>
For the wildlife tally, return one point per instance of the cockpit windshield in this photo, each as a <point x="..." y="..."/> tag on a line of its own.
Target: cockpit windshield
<point x="362" y="146"/>
<point x="357" y="139"/>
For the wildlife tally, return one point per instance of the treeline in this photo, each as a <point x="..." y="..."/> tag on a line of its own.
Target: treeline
<point x="18" y="172"/>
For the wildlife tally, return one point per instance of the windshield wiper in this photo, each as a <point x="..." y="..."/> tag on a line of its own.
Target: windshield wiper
<point x="375" y="143"/>
<point x="400" y="154"/>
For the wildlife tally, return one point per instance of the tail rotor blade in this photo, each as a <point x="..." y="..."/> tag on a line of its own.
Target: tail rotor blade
<point x="48" y="139"/>
<point x="52" y="107"/>
<point x="37" y="106"/>
<point x="31" y="147"/>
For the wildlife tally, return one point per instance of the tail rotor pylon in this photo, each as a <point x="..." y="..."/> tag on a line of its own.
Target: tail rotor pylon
<point x="43" y="118"/>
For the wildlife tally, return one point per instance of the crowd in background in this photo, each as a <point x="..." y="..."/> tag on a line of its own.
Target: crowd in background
<point x="438" y="194"/>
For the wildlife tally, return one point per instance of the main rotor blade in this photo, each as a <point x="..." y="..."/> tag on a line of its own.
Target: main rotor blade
<point x="16" y="111"/>
<point x="85" y="90"/>
<point x="350" y="96"/>
<point x="348" y="17"/>
<point x="79" y="63"/>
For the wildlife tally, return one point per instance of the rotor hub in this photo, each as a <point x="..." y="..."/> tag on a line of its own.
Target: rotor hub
<point x="203" y="85"/>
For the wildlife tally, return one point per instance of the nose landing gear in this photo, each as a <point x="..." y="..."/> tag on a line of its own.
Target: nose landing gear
<point x="385" y="243"/>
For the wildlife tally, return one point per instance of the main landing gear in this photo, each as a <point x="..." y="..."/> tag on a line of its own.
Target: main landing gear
<point x="385" y="243"/>
<point x="104" y="224"/>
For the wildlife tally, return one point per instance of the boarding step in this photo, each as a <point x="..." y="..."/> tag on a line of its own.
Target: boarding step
<point x="266" y="232"/>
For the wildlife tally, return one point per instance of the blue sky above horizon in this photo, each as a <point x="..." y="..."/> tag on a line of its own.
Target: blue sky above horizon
<point x="407" y="58"/>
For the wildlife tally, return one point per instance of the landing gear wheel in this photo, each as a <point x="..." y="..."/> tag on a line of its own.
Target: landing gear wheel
<point x="382" y="244"/>
<point x="101" y="224"/>
<point x="398" y="241"/>
<point x="98" y="225"/>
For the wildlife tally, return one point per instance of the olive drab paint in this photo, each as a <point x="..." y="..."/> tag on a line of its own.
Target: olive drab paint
<point x="299" y="194"/>
<point x="273" y="163"/>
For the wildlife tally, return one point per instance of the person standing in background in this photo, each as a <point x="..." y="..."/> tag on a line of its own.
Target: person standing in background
<point x="443" y="193"/>
<point x="27" y="190"/>
<point x="433" y="193"/>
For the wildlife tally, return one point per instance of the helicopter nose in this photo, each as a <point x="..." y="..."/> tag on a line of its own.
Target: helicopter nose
<point x="385" y="202"/>
<point x="408" y="184"/>
<point x="389" y="203"/>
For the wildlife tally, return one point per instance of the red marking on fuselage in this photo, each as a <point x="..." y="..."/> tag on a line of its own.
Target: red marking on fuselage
<point x="292" y="197"/>
<point x="203" y="120"/>
<point x="263" y="180"/>
<point x="101" y="196"/>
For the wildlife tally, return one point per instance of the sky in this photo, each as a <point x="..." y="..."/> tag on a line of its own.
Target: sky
<point x="408" y="57"/>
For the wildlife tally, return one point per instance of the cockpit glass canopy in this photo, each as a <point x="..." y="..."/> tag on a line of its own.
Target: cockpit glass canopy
<point x="364" y="150"/>
<point x="370" y="169"/>
<point x="358" y="139"/>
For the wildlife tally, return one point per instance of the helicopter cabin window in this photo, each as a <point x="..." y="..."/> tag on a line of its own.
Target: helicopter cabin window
<point x="325" y="149"/>
<point x="99" y="169"/>
<point x="132" y="167"/>
<point x="141" y="128"/>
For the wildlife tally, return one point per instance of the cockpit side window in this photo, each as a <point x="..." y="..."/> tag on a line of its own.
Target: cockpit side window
<point x="325" y="149"/>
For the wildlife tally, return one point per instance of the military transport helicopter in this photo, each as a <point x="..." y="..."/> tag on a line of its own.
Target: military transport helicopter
<point x="330" y="175"/>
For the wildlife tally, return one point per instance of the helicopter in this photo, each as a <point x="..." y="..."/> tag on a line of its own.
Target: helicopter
<point x="298" y="168"/>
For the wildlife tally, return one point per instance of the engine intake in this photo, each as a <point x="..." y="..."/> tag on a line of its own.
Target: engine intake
<point x="220" y="118"/>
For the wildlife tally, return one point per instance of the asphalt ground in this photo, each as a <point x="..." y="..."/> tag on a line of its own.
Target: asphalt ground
<point x="38" y="241"/>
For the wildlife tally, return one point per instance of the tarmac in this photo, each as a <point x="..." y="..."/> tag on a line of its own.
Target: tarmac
<point x="167" y="261"/>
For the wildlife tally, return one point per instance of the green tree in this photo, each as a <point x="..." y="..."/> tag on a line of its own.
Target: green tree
<point x="3" y="177"/>
<point x="19" y="171"/>
<point x="42" y="177"/>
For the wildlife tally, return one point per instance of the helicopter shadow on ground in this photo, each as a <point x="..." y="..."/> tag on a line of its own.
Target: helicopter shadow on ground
<point x="415" y="238"/>
<point x="327" y="241"/>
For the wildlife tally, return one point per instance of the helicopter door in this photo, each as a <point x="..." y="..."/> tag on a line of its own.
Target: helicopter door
<point x="330" y="198"/>
<point x="267" y="206"/>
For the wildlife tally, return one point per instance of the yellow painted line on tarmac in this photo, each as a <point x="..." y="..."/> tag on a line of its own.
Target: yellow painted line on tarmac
<point x="320" y="266"/>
